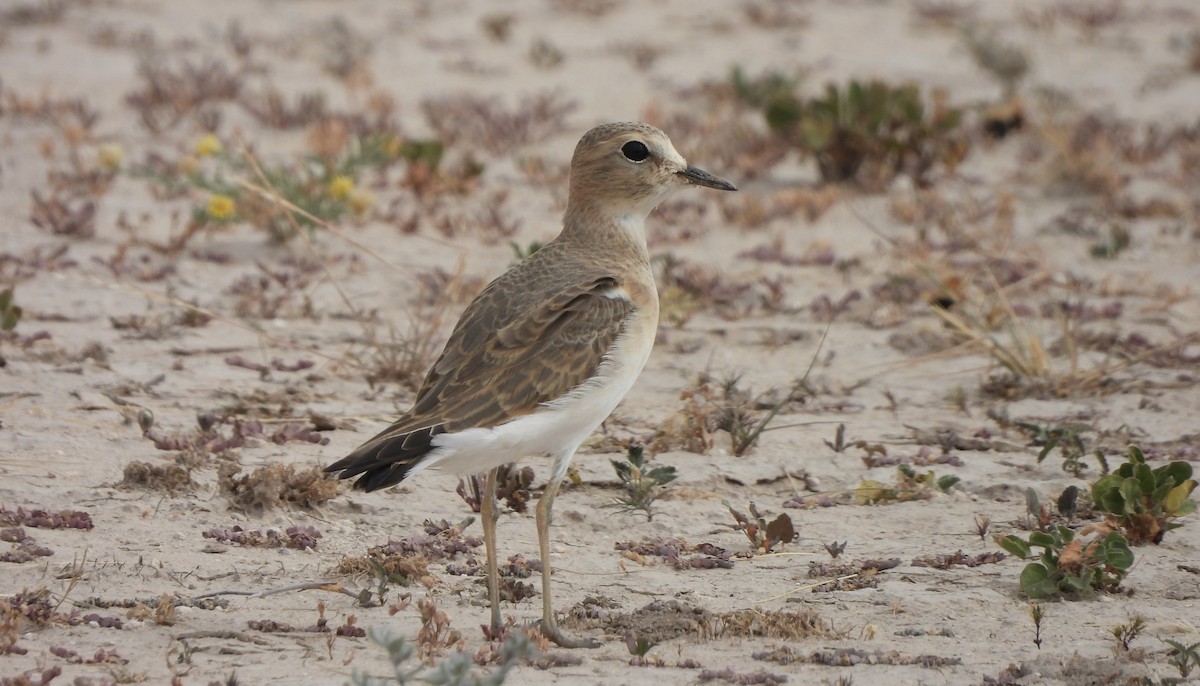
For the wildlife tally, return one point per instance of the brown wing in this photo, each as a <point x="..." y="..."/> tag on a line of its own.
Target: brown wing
<point x="496" y="367"/>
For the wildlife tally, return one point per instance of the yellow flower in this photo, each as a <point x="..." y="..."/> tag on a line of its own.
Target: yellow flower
<point x="110" y="156"/>
<point x="208" y="146"/>
<point x="221" y="207"/>
<point x="341" y="186"/>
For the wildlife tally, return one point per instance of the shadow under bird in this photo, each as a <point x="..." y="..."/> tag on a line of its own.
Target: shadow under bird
<point x="544" y="354"/>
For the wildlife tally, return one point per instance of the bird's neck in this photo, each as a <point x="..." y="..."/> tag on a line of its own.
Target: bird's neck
<point x="608" y="230"/>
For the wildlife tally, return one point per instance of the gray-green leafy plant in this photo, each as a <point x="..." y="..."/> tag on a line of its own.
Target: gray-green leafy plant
<point x="384" y="580"/>
<point x="1069" y="563"/>
<point x="1185" y="658"/>
<point x="1143" y="502"/>
<point x="909" y="484"/>
<point x="643" y="485"/>
<point x="10" y="312"/>
<point x="738" y="414"/>
<point x="1114" y="244"/>
<point x="1068" y="439"/>
<point x="638" y="646"/>
<point x="453" y="670"/>
<point x="1008" y="63"/>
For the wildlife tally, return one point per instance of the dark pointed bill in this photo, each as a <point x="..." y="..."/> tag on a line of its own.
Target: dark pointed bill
<point x="703" y="178"/>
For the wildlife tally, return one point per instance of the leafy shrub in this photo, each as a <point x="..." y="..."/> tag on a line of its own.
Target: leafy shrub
<point x="1142" y="501"/>
<point x="870" y="130"/>
<point x="1098" y="557"/>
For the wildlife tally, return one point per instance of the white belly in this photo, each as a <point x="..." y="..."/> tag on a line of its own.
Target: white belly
<point x="558" y="427"/>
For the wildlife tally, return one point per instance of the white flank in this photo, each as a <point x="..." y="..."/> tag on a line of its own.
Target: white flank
<point x="559" y="427"/>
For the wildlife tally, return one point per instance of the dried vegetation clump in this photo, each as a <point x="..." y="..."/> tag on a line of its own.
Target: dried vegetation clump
<point x="197" y="447"/>
<point x="486" y="123"/>
<point x="785" y="625"/>
<point x="295" y="537"/>
<point x="675" y="551"/>
<point x="714" y="405"/>
<point x="985" y="204"/>
<point x="408" y="558"/>
<point x="1094" y="153"/>
<point x="45" y="519"/>
<point x="170" y="92"/>
<point x="660" y="620"/>
<point x="512" y="488"/>
<point x="37" y="609"/>
<point x="160" y="478"/>
<point x="275" y="485"/>
<point x="348" y="628"/>
<point x="848" y="657"/>
<point x="24" y="548"/>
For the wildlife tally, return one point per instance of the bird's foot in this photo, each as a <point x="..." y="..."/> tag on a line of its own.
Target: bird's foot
<point x="556" y="636"/>
<point x="495" y="632"/>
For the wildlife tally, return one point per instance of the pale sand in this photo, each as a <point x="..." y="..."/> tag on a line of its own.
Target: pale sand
<point x="64" y="445"/>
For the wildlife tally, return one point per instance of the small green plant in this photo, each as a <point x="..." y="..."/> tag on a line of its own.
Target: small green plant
<point x="1006" y="62"/>
<point x="10" y="312"/>
<point x="1096" y="558"/>
<point x="1117" y="241"/>
<point x="763" y="535"/>
<point x="773" y="93"/>
<point x="1037" y="612"/>
<point x="1068" y="438"/>
<point x="324" y="187"/>
<point x="1039" y="513"/>
<point x="642" y="486"/>
<point x="638" y="646"/>
<point x="384" y="578"/>
<point x="736" y="412"/>
<point x="1141" y="501"/>
<point x="1185" y="658"/>
<point x="1126" y="633"/>
<point x="870" y="127"/>
<point x="1068" y="502"/>
<point x="454" y="670"/>
<point x="835" y="548"/>
<point x="909" y="485"/>
<point x="1040" y="517"/>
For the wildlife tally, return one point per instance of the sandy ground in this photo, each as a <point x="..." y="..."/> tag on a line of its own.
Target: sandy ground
<point x="1026" y="210"/>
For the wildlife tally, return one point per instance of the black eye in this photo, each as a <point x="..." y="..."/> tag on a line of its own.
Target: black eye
<point x="635" y="151"/>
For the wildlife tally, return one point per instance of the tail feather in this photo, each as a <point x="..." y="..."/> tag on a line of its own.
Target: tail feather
<point x="387" y="459"/>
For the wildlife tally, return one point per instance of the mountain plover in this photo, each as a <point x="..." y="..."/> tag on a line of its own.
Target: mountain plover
<point x="544" y="354"/>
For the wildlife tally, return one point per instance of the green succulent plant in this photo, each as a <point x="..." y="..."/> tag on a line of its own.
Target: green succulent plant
<point x="873" y="126"/>
<point x="1142" y="501"/>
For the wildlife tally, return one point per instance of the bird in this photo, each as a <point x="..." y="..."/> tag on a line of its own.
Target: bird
<point x="547" y="350"/>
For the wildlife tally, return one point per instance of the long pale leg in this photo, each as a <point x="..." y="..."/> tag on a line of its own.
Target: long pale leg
<point x="487" y="510"/>
<point x="549" y="626"/>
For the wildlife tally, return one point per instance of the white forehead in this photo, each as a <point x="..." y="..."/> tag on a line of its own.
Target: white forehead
<point x="668" y="152"/>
